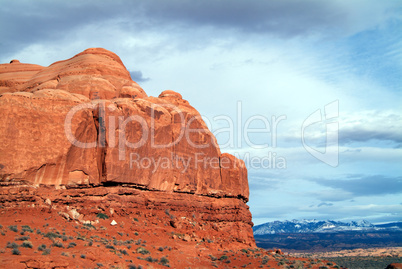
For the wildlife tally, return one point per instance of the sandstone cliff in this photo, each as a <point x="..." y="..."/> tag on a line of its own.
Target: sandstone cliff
<point x="83" y="123"/>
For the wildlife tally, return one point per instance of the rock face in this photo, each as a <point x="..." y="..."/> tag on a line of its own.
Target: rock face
<point x="83" y="122"/>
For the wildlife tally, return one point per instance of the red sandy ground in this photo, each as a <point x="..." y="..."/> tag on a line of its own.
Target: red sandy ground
<point x="107" y="246"/>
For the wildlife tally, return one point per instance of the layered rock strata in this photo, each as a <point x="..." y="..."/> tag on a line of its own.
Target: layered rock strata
<point x="83" y="123"/>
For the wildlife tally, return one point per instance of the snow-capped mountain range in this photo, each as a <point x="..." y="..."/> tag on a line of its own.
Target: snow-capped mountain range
<point x="319" y="226"/>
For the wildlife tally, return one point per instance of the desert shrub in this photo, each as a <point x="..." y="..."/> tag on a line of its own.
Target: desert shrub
<point x="213" y="258"/>
<point x="132" y="266"/>
<point x="89" y="226"/>
<point x="110" y="247"/>
<point x="22" y="238"/>
<point x="83" y="256"/>
<point x="160" y="249"/>
<point x="142" y="250"/>
<point x="135" y="219"/>
<point x="244" y="250"/>
<point x="26" y="228"/>
<point x="223" y="257"/>
<point x="150" y="259"/>
<point x="42" y="247"/>
<point x="13" y="228"/>
<point x="27" y="244"/>
<point x="164" y="261"/>
<point x="102" y="216"/>
<point x="118" y="242"/>
<point x="58" y="244"/>
<point x="12" y="245"/>
<point x="16" y="251"/>
<point x="46" y="251"/>
<point x="51" y="235"/>
<point x="71" y="245"/>
<point x="123" y="251"/>
<point x="65" y="254"/>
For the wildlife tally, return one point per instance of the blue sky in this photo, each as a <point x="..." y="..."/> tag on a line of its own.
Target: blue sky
<point x="268" y="59"/>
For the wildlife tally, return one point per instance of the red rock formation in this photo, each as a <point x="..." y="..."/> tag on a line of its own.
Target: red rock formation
<point x="120" y="134"/>
<point x="84" y="125"/>
<point x="34" y="147"/>
<point x="15" y="73"/>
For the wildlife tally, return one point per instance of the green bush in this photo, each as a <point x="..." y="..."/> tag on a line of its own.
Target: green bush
<point x="213" y="258"/>
<point x="102" y="216"/>
<point x="150" y="259"/>
<point x="13" y="228"/>
<point x="26" y="228"/>
<point x="58" y="244"/>
<point x="223" y="257"/>
<point x="51" y="235"/>
<point x="142" y="250"/>
<point x="22" y="238"/>
<point x="27" y="244"/>
<point x="16" y="251"/>
<point x="12" y="245"/>
<point x="164" y="261"/>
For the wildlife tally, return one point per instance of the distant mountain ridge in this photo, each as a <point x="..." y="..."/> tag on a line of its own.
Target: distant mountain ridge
<point x="320" y="226"/>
